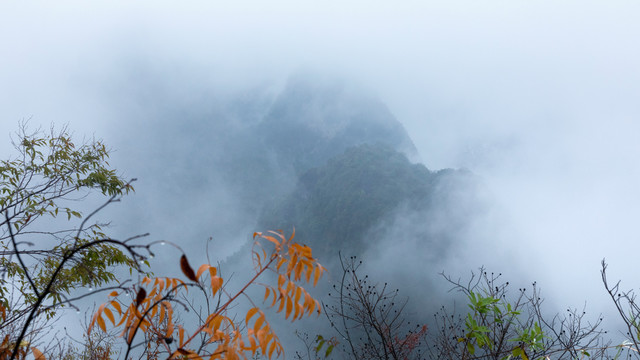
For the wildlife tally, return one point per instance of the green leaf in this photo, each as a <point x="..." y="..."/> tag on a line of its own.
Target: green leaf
<point x="329" y="350"/>
<point x="470" y="348"/>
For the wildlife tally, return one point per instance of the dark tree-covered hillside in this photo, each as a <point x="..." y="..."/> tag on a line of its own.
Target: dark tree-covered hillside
<point x="336" y="206"/>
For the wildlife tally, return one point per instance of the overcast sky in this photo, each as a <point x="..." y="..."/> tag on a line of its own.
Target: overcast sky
<point x="540" y="98"/>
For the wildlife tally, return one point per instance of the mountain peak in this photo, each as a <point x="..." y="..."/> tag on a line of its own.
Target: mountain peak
<point x="314" y="120"/>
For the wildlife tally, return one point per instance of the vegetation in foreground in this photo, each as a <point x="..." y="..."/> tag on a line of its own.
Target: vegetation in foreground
<point x="50" y="248"/>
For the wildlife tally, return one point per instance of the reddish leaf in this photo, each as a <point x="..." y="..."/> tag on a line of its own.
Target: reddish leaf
<point x="142" y="294"/>
<point x="187" y="270"/>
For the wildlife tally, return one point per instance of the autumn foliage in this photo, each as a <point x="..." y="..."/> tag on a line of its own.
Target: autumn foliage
<point x="148" y="311"/>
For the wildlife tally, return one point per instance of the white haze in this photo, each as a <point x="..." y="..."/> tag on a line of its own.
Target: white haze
<point x="539" y="98"/>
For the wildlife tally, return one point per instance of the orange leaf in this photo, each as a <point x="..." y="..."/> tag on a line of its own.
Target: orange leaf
<point x="258" y="259"/>
<point x="250" y="314"/>
<point x="167" y="305"/>
<point x="317" y="274"/>
<point x="162" y="313"/>
<point x="273" y="347"/>
<point x="292" y="263"/>
<point x="201" y="269"/>
<point x="254" y="347"/>
<point x="310" y="304"/>
<point x="116" y="306"/>
<point x="278" y="233"/>
<point x="216" y="322"/>
<point x="101" y="323"/>
<point x="298" y="271"/>
<point x="181" y="335"/>
<point x="308" y="273"/>
<point x="216" y="284"/>
<point x="125" y="316"/>
<point x="153" y="292"/>
<point x="37" y="354"/>
<point x="94" y="317"/>
<point x="272" y="240"/>
<point x="130" y="336"/>
<point x="110" y="315"/>
<point x="289" y="308"/>
<point x="266" y="293"/>
<point x="282" y="301"/>
<point x="298" y="313"/>
<point x="256" y="326"/>
<point x="263" y="338"/>
<point x="154" y="311"/>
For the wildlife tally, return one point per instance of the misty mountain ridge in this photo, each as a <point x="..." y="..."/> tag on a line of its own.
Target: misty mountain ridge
<point x="310" y="122"/>
<point x="335" y="164"/>
<point x="356" y="201"/>
<point x="318" y="154"/>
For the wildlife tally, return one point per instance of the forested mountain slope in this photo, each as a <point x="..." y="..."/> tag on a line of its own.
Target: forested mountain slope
<point x="344" y="204"/>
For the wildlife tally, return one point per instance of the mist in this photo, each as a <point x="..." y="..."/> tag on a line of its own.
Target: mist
<point x="538" y="99"/>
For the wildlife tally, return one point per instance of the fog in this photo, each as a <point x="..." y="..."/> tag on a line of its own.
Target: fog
<point x="538" y="98"/>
